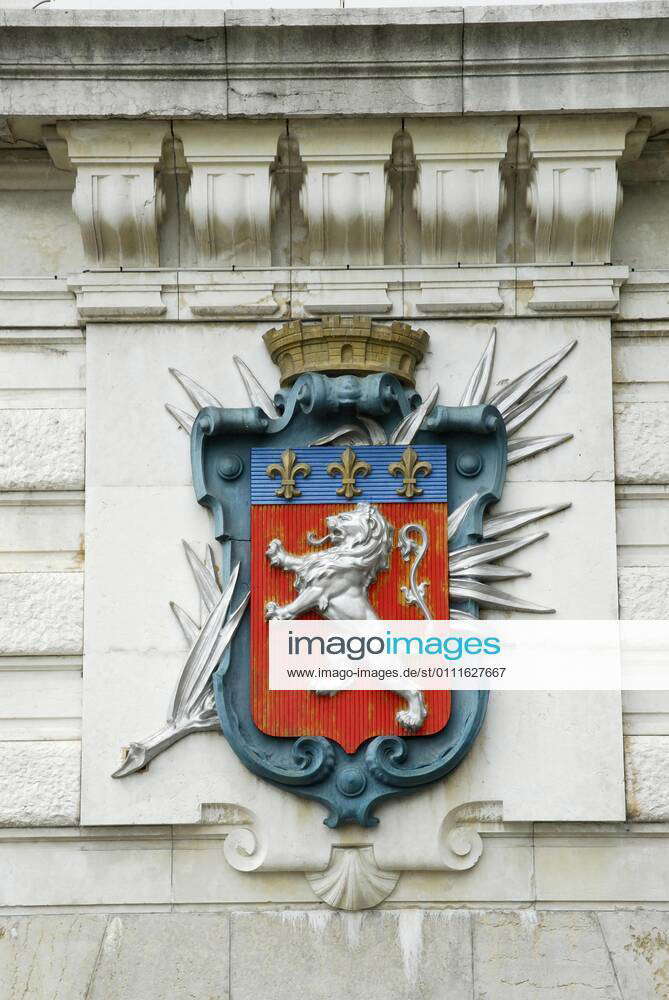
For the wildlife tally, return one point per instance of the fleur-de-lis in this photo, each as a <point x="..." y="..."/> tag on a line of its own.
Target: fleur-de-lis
<point x="409" y="467"/>
<point x="349" y="467"/>
<point x="288" y="469"/>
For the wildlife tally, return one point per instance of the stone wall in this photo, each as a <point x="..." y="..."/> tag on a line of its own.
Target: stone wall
<point x="493" y="907"/>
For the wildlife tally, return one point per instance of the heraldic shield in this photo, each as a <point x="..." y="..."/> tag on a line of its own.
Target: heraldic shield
<point x="356" y="464"/>
<point x="364" y="502"/>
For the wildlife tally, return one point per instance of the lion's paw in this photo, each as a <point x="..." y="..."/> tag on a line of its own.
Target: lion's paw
<point x="271" y="611"/>
<point x="410" y="720"/>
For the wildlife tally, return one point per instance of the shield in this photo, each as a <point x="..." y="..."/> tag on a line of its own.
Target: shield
<point x="299" y="494"/>
<point x="272" y="480"/>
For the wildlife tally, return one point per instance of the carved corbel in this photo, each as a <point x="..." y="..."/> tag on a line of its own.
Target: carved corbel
<point x="345" y="188"/>
<point x="116" y="198"/>
<point x="228" y="200"/>
<point x="461" y="192"/>
<point x="574" y="191"/>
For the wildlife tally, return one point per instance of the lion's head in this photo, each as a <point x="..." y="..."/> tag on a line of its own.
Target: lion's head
<point x="361" y="539"/>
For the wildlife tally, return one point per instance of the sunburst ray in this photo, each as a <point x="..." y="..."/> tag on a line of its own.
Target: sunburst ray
<point x="489" y="571"/>
<point x="472" y="555"/>
<point x="523" y="448"/>
<point x="183" y="419"/>
<point x="258" y="396"/>
<point x="479" y="380"/>
<point x="190" y="628"/>
<point x="205" y="578"/>
<point x="513" y="391"/>
<point x="198" y="395"/>
<point x="529" y="405"/>
<point x="490" y="597"/>
<point x="407" y="429"/>
<point x="459" y="514"/>
<point x="502" y="524"/>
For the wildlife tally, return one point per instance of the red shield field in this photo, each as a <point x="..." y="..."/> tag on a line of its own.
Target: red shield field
<point x="348" y="717"/>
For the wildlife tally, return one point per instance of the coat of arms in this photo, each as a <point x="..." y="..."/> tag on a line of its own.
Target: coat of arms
<point x="347" y="496"/>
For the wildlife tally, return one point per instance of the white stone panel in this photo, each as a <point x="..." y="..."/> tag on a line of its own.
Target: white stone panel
<point x="641" y="359"/>
<point x="41" y="532"/>
<point x="644" y="592"/>
<point x="40" y="699"/>
<point x="639" y="947"/>
<point x="40" y="376"/>
<point x="39" y="783"/>
<point x="78" y="867"/>
<point x="641" y="232"/>
<point x="41" y="612"/>
<point x="558" y="956"/>
<point x="45" y="235"/>
<point x="642" y="441"/>
<point x="42" y="449"/>
<point x="647" y="777"/>
<point x="140" y="504"/>
<point x="593" y="863"/>
<point x="159" y="955"/>
<point x="37" y="310"/>
<point x="49" y="956"/>
<point x="407" y="954"/>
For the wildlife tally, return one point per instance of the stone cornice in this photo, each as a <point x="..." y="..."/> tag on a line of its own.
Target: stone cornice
<point x="424" y="61"/>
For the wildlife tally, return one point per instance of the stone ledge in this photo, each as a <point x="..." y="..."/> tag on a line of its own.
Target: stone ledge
<point x="412" y="292"/>
<point x="424" y="61"/>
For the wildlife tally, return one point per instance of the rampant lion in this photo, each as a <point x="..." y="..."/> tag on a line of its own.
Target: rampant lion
<point x="335" y="581"/>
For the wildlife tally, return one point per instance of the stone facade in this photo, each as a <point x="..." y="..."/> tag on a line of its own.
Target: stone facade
<point x="169" y="217"/>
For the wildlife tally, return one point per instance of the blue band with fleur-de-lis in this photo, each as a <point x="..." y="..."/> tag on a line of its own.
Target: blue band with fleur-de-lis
<point x="376" y="486"/>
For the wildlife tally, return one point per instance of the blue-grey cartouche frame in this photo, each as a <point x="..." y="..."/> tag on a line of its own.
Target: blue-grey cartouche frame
<point x="350" y="786"/>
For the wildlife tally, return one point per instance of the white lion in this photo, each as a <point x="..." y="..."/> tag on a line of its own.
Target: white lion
<point x="335" y="581"/>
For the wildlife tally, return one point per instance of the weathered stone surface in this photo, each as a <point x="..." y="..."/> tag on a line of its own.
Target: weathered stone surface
<point x="642" y="441"/>
<point x="647" y="777"/>
<point x="39" y="783"/>
<point x="48" y="956"/>
<point x="639" y="947"/>
<point x="152" y="956"/>
<point x="643" y="591"/>
<point x="41" y="612"/>
<point x="45" y="235"/>
<point x="163" y="956"/>
<point x="436" y="61"/>
<point x="554" y="955"/>
<point x="414" y="954"/>
<point x="42" y="449"/>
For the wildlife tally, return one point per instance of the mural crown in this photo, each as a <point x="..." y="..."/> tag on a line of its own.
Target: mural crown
<point x="346" y="345"/>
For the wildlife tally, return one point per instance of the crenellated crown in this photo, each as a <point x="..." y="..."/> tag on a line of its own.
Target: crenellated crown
<point x="346" y="345"/>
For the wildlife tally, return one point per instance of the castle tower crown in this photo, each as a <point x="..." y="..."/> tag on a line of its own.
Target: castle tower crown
<point x="346" y="345"/>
